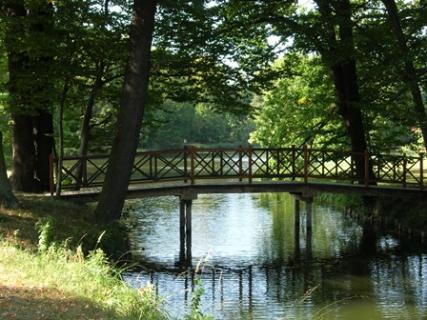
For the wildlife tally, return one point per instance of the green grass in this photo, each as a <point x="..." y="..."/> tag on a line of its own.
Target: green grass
<point x="52" y="266"/>
<point x="45" y="273"/>
<point x="73" y="223"/>
<point x="62" y="284"/>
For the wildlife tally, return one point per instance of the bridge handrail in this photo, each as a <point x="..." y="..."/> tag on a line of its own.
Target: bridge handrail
<point x="192" y="163"/>
<point x="169" y="151"/>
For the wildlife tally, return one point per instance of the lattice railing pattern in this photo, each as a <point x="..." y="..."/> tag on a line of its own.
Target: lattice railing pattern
<point x="190" y="164"/>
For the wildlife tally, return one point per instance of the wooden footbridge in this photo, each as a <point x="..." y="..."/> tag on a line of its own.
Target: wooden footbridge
<point x="196" y="170"/>
<point x="191" y="171"/>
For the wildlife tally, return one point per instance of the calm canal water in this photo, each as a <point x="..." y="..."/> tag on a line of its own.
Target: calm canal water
<point x="256" y="269"/>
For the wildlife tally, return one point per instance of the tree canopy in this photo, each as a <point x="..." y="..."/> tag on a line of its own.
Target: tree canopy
<point x="344" y="73"/>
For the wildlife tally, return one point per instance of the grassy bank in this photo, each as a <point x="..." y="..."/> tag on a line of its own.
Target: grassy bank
<point x="60" y="284"/>
<point x="63" y="280"/>
<point x="71" y="223"/>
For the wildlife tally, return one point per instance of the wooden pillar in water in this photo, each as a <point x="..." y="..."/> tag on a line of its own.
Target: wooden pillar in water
<point x="182" y="231"/>
<point x="308" y="200"/>
<point x="185" y="228"/>
<point x="188" y="220"/>
<point x="297" y="224"/>
<point x="309" y="215"/>
<point x="309" y="226"/>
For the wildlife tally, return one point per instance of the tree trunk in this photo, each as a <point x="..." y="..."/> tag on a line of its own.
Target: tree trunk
<point x="22" y="128"/>
<point x="410" y="74"/>
<point x="23" y="153"/>
<point x="42" y="99"/>
<point x="345" y="80"/>
<point x="87" y="117"/>
<point x="61" y="137"/>
<point x="7" y="199"/>
<point x="340" y="56"/>
<point x="132" y="105"/>
<point x="44" y="146"/>
<point x="29" y="91"/>
<point x="86" y="127"/>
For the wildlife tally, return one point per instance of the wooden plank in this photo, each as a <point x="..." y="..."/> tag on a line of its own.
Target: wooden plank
<point x="305" y="164"/>
<point x="192" y="174"/>
<point x="250" y="163"/>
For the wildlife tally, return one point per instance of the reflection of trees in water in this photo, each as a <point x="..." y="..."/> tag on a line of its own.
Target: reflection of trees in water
<point x="384" y="287"/>
<point x="350" y="272"/>
<point x="212" y="202"/>
<point x="334" y="233"/>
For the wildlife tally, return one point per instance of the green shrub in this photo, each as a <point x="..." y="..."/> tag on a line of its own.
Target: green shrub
<point x="45" y="229"/>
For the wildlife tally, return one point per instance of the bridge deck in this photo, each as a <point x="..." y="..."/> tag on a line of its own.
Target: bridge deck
<point x="187" y="190"/>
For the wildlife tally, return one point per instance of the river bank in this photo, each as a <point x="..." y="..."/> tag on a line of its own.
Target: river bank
<point x="48" y="271"/>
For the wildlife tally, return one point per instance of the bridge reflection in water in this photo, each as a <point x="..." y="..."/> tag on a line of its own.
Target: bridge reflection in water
<point x="262" y="266"/>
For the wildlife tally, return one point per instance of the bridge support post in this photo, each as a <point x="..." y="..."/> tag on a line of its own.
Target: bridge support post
<point x="188" y="220"/>
<point x="308" y="200"/>
<point x="309" y="215"/>
<point x="309" y="227"/>
<point x="185" y="228"/>
<point x="297" y="224"/>
<point x="182" y="230"/>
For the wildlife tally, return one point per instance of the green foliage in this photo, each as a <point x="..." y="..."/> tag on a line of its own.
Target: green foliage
<point x="196" y="297"/>
<point x="300" y="107"/>
<point x="90" y="283"/>
<point x="114" y="240"/>
<point x="387" y="107"/>
<point x="219" y="53"/>
<point x="195" y="124"/>
<point x="45" y="228"/>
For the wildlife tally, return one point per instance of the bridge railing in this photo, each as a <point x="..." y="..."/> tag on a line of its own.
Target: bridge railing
<point x="246" y="163"/>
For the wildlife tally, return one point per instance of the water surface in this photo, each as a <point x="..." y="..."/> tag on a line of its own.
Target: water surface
<point x="258" y="267"/>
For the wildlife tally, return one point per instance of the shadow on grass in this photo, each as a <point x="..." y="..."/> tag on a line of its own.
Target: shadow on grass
<point x="73" y="221"/>
<point x="48" y="304"/>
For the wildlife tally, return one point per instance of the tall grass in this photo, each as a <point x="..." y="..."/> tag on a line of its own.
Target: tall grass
<point x="46" y="271"/>
<point x="81" y="278"/>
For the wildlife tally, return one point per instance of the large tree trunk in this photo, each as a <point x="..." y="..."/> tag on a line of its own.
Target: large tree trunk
<point x="29" y="92"/>
<point x="22" y="129"/>
<point x="23" y="153"/>
<point x="134" y="99"/>
<point x="340" y="56"/>
<point x="41" y="25"/>
<point x="43" y="125"/>
<point x="345" y="80"/>
<point x="7" y="199"/>
<point x="410" y="74"/>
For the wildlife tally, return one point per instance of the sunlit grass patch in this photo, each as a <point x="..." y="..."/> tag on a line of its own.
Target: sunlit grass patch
<point x="61" y="284"/>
